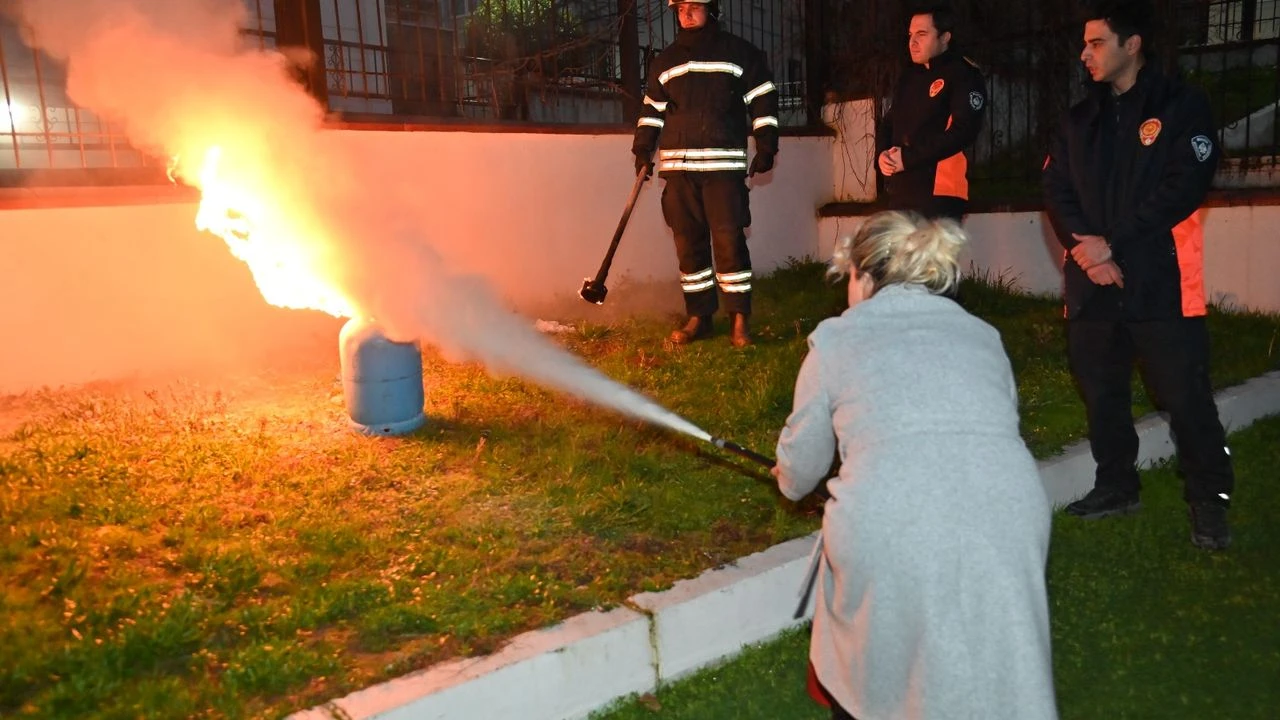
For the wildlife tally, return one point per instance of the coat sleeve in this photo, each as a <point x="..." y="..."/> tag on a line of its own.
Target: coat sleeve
<point x="884" y="133"/>
<point x="1192" y="160"/>
<point x="1060" y="197"/>
<point x="968" y="106"/>
<point x="761" y="99"/>
<point x="653" y="112"/>
<point x="807" y="443"/>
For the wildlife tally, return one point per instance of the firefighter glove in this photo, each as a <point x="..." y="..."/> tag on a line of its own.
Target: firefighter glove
<point x="761" y="163"/>
<point x="644" y="164"/>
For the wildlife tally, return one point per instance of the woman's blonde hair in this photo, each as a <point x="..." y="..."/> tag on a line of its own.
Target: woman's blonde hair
<point x="898" y="247"/>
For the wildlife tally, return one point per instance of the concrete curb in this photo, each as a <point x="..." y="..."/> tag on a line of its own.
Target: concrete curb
<point x="581" y="665"/>
<point x="721" y="611"/>
<point x="565" y="671"/>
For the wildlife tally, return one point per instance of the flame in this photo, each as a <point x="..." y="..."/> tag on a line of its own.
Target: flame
<point x="258" y="228"/>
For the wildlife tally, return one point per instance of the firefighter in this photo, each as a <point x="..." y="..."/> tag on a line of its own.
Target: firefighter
<point x="705" y="94"/>
<point x="936" y="113"/>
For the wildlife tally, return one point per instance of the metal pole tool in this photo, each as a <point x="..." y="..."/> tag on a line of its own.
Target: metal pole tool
<point x="593" y="290"/>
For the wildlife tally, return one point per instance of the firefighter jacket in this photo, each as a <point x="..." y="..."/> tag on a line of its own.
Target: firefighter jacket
<point x="705" y="93"/>
<point x="935" y="114"/>
<point x="1134" y="169"/>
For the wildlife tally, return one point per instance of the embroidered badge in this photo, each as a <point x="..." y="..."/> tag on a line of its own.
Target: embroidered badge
<point x="1202" y="146"/>
<point x="975" y="100"/>
<point x="936" y="87"/>
<point x="1149" y="131"/>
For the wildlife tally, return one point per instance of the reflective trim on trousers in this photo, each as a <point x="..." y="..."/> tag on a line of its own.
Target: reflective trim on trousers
<point x="757" y="91"/>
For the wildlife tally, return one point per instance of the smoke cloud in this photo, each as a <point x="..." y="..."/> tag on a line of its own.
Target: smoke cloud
<point x="180" y="79"/>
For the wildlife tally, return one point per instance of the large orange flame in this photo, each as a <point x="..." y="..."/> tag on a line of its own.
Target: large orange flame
<point x="259" y="230"/>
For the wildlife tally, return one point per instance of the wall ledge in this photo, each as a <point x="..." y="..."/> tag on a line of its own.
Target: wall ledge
<point x="1261" y="197"/>
<point x="43" y="198"/>
<point x="404" y="123"/>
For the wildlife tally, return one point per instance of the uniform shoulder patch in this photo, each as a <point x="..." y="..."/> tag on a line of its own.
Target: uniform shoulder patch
<point x="976" y="100"/>
<point x="1202" y="146"/>
<point x="936" y="87"/>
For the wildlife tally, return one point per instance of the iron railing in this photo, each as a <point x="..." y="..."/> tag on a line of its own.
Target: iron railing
<point x="1231" y="50"/>
<point x="1034" y="74"/>
<point x="546" y="61"/>
<point x="579" y="62"/>
<point x="568" y="62"/>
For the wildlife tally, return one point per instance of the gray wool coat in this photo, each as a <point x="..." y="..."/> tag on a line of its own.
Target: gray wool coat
<point x="931" y="597"/>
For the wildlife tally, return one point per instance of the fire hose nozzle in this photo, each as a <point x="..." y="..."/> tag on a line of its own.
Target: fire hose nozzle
<point x="737" y="449"/>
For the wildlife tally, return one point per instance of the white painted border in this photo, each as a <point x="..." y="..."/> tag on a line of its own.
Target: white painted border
<point x="565" y="671"/>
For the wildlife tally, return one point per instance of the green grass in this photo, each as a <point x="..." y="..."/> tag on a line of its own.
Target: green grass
<point x="1144" y="625"/>
<point x="227" y="546"/>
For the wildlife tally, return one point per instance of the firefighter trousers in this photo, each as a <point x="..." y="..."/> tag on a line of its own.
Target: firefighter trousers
<point x="708" y="213"/>
<point x="1173" y="359"/>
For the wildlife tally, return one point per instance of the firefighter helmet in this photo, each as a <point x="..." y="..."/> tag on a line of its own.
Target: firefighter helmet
<point x="713" y="7"/>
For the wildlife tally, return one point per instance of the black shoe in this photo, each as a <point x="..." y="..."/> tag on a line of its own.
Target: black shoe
<point x="1209" y="528"/>
<point x="697" y="328"/>
<point x="1101" y="503"/>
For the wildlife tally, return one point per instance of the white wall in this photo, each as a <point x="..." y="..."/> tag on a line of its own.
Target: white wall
<point x="853" y="154"/>
<point x="102" y="292"/>
<point x="109" y="289"/>
<point x="96" y="293"/>
<point x="535" y="212"/>
<point x="1242" y="252"/>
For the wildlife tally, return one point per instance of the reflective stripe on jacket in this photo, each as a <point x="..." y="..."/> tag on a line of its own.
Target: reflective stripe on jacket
<point x="705" y="94"/>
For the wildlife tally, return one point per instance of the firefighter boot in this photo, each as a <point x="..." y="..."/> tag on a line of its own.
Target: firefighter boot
<point x="697" y="328"/>
<point x="741" y="336"/>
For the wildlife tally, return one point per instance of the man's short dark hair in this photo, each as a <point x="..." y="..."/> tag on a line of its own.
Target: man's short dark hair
<point x="1126" y="18"/>
<point x="944" y="18"/>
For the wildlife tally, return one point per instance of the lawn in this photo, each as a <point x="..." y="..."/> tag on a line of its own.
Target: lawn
<point x="228" y="547"/>
<point x="1144" y="625"/>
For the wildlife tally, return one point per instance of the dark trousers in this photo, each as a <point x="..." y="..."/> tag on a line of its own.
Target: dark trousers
<point x="708" y="212"/>
<point x="933" y="207"/>
<point x="942" y="206"/>
<point x="1173" y="358"/>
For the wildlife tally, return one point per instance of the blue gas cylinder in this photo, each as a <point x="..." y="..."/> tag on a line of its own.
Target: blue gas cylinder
<point x="381" y="380"/>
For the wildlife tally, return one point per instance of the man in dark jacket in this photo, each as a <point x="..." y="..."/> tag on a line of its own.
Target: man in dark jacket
<point x="935" y="114"/>
<point x="1123" y="185"/>
<point x="705" y="94"/>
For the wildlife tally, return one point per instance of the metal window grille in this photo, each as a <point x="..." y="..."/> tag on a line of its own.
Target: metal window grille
<point x="40" y="128"/>
<point x="260" y="30"/>
<point x="43" y="131"/>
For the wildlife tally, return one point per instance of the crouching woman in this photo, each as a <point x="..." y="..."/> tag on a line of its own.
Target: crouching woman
<point x="931" y="597"/>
